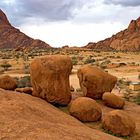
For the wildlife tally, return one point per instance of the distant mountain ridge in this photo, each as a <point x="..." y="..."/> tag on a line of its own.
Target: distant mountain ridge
<point x="126" y="40"/>
<point x="10" y="37"/>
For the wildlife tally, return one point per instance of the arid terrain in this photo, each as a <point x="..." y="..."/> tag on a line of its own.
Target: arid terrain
<point x="124" y="65"/>
<point x="48" y="115"/>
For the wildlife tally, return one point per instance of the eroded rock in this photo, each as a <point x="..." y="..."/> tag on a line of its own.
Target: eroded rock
<point x="85" y="109"/>
<point x="113" y="100"/>
<point x="50" y="78"/>
<point x="119" y="122"/>
<point x="7" y="82"/>
<point x="94" y="81"/>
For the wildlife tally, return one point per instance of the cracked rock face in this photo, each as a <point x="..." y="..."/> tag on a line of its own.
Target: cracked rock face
<point x="94" y="82"/>
<point x="126" y="40"/>
<point x="50" y="78"/>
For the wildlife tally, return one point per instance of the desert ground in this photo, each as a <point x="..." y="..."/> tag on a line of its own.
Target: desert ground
<point x="124" y="65"/>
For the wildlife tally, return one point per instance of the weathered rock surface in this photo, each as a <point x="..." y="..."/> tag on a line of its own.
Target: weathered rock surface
<point x="119" y="122"/>
<point x="85" y="109"/>
<point x="27" y="90"/>
<point x="94" y="82"/>
<point x="7" y="82"/>
<point x="50" y="78"/>
<point x="10" y="37"/>
<point x="26" y="117"/>
<point x="126" y="40"/>
<point x="113" y="100"/>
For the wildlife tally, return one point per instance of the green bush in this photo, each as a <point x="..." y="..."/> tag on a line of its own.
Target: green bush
<point x="138" y="99"/>
<point x="24" y="82"/>
<point x="74" y="60"/>
<point x="88" y="60"/>
<point x="6" y="66"/>
<point x="139" y="76"/>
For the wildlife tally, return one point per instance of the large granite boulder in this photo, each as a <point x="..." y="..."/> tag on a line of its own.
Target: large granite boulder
<point x="24" y="117"/>
<point x="7" y="82"/>
<point x="50" y="78"/>
<point x="113" y="100"/>
<point x="85" y="109"/>
<point x="119" y="122"/>
<point x="94" y="81"/>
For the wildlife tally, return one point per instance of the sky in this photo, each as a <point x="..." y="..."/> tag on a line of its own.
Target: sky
<point x="70" y="22"/>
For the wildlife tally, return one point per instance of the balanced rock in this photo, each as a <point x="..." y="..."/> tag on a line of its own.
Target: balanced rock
<point x="50" y="78"/>
<point x="119" y="122"/>
<point x="7" y="82"/>
<point x="94" y="81"/>
<point x="113" y="100"/>
<point x="85" y="109"/>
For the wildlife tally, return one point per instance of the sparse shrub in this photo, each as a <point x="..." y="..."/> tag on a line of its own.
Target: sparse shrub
<point x="122" y="64"/>
<point x="139" y="76"/>
<point x="118" y="57"/>
<point x="88" y="60"/>
<point x="74" y="60"/>
<point x="26" y="68"/>
<point x="6" y="66"/>
<point x="24" y="82"/>
<point x="138" y="99"/>
<point x="103" y="66"/>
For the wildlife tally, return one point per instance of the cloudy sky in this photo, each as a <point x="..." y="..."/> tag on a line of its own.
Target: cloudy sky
<point x="70" y="22"/>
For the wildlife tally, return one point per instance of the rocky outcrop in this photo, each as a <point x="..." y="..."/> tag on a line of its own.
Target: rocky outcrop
<point x="94" y="81"/>
<point x="7" y="82"/>
<point x="119" y="122"/>
<point x="26" y="117"/>
<point x="10" y="37"/>
<point x="50" y="78"/>
<point x="126" y="40"/>
<point x="113" y="100"/>
<point x="85" y="109"/>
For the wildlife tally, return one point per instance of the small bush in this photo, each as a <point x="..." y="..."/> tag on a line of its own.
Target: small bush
<point x="6" y="66"/>
<point x="139" y="76"/>
<point x="87" y="61"/>
<point x="138" y="99"/>
<point x="24" y="82"/>
<point x="74" y="60"/>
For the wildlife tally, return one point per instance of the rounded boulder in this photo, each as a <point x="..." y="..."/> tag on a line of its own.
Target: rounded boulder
<point x="94" y="81"/>
<point x="119" y="122"/>
<point x="85" y="109"/>
<point x="7" y="82"/>
<point x="113" y="100"/>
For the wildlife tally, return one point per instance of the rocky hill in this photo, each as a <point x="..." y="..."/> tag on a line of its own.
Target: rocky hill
<point x="126" y="40"/>
<point x="10" y="37"/>
<point x="27" y="117"/>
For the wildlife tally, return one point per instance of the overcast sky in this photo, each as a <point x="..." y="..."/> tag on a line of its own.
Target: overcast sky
<point x="70" y="22"/>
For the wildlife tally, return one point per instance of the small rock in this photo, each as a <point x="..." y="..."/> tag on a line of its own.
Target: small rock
<point x="7" y="82"/>
<point x="113" y="100"/>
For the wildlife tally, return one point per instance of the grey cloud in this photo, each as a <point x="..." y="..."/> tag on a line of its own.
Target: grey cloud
<point x="132" y="3"/>
<point x="49" y="10"/>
